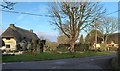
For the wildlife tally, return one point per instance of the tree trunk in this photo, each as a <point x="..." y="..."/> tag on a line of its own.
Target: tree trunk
<point x="106" y="38"/>
<point x="105" y="43"/>
<point x="72" y="45"/>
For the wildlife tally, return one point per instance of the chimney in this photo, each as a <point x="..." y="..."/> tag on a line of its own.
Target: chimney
<point x="12" y="26"/>
<point x="31" y="30"/>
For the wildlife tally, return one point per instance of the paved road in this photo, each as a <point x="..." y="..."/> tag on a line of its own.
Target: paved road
<point x="95" y="62"/>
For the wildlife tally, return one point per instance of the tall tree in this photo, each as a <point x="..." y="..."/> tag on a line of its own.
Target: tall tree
<point x="78" y="14"/>
<point x="107" y="26"/>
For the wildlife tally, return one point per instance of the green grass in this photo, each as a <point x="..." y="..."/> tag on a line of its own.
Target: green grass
<point x="49" y="56"/>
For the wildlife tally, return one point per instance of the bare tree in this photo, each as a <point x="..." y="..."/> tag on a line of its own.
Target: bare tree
<point x="7" y="5"/>
<point x="107" y="26"/>
<point x="78" y="14"/>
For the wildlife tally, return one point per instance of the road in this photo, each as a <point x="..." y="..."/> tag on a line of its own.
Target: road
<point x="95" y="62"/>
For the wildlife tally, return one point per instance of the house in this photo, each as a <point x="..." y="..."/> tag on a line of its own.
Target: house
<point x="114" y="37"/>
<point x="113" y="41"/>
<point x="91" y="37"/>
<point x="13" y="35"/>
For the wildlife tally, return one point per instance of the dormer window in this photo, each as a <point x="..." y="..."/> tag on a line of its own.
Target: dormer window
<point x="8" y="38"/>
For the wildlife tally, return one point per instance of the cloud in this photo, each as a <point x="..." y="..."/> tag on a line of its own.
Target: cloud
<point x="48" y="36"/>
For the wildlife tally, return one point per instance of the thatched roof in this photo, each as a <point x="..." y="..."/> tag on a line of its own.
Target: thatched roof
<point x="19" y="33"/>
<point x="92" y="39"/>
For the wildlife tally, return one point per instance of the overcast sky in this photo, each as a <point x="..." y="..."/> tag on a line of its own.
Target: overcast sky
<point x="40" y="24"/>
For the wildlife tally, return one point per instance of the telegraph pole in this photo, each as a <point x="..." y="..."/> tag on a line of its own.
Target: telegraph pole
<point x="95" y="32"/>
<point x="95" y="28"/>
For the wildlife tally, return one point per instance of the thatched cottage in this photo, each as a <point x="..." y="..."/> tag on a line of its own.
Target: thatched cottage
<point x="14" y="35"/>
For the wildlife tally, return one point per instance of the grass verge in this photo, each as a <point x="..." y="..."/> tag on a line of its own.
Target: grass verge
<point x="49" y="56"/>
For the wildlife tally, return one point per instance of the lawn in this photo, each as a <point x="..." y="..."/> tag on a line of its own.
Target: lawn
<point x="49" y="56"/>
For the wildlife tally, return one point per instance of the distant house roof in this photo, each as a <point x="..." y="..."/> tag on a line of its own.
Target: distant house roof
<point x="92" y="39"/>
<point x="19" y="33"/>
<point x="114" y="37"/>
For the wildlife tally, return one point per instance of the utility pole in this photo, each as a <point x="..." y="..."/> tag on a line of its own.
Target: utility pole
<point x="95" y="28"/>
<point x="95" y="32"/>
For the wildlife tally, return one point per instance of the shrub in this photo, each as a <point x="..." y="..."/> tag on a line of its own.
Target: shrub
<point x="103" y="47"/>
<point x="113" y="49"/>
<point x="82" y="47"/>
<point x="63" y="49"/>
<point x="51" y="45"/>
<point x="78" y="47"/>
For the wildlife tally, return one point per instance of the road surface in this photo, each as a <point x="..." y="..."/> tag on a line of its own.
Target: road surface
<point x="95" y="62"/>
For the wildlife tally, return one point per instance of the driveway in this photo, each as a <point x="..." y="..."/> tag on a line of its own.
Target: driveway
<point x="95" y="62"/>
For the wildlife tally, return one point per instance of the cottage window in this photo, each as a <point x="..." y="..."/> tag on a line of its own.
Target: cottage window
<point x="7" y="46"/>
<point x="7" y="38"/>
<point x="3" y="43"/>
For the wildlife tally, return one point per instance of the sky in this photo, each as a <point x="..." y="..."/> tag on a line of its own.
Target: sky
<point x="40" y="24"/>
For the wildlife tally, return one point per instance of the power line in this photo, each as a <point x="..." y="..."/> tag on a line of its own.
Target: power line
<point x="26" y="13"/>
<point x="21" y="12"/>
<point x="42" y="15"/>
<point x="112" y="12"/>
